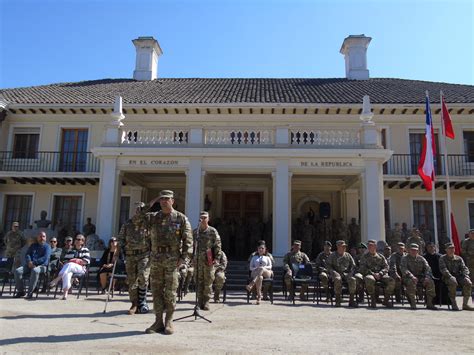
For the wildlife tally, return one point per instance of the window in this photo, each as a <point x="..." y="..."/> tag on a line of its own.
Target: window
<point x="124" y="210"/>
<point x="17" y="209"/>
<point x="25" y="143"/>
<point x="471" y="214"/>
<point x="69" y="210"/>
<point x="416" y="147"/>
<point x="386" y="205"/>
<point x="423" y="214"/>
<point x="469" y="145"/>
<point x="74" y="150"/>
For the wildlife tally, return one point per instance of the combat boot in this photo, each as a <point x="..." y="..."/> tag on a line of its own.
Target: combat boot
<point x="338" y="300"/>
<point x="156" y="327"/>
<point x="465" y="306"/>
<point x="352" y="302"/>
<point x="430" y="305"/>
<point x="454" y="305"/>
<point x="169" y="329"/>
<point x="133" y="309"/>
<point x="412" y="302"/>
<point x="205" y="306"/>
<point x="386" y="301"/>
<point x="373" y="301"/>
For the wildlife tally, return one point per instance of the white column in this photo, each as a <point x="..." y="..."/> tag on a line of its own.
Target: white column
<point x="108" y="207"/>
<point x="281" y="209"/>
<point x="194" y="191"/>
<point x="135" y="196"/>
<point x="372" y="207"/>
<point x="351" y="204"/>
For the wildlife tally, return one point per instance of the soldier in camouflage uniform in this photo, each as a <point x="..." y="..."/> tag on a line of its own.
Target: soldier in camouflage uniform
<point x="374" y="267"/>
<point x="361" y="250"/>
<point x="415" y="237"/>
<point x="321" y="268"/>
<point x="208" y="248"/>
<point x="14" y="241"/>
<point x="295" y="256"/>
<point x="171" y="245"/>
<point x="308" y="234"/>
<point x="341" y="266"/>
<point x="394" y="269"/>
<point x="220" y="264"/>
<point x="455" y="272"/>
<point x="134" y="240"/>
<point x="467" y="252"/>
<point x="395" y="236"/>
<point x="186" y="273"/>
<point x="416" y="271"/>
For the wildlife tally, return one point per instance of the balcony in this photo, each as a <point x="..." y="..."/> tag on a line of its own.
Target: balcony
<point x="407" y="164"/>
<point x="49" y="162"/>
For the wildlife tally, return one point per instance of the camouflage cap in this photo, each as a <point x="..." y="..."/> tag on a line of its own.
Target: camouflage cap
<point x="166" y="194"/>
<point x="449" y="245"/>
<point x="361" y="246"/>
<point x="297" y="242"/>
<point x="328" y="243"/>
<point x="15" y="224"/>
<point x="414" y="246"/>
<point x="341" y="243"/>
<point x="204" y="214"/>
<point x="401" y="244"/>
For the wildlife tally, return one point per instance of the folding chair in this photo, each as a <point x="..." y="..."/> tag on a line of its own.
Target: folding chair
<point x="6" y="274"/>
<point x="267" y="282"/>
<point x="303" y="275"/>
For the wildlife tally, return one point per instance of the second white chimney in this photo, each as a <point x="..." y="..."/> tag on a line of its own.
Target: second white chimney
<point x="146" y="64"/>
<point x="354" y="49"/>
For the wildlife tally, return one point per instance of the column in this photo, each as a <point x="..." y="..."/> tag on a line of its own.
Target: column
<point x="372" y="207"/>
<point x="281" y="209"/>
<point x="108" y="206"/>
<point x="135" y="196"/>
<point x="351" y="203"/>
<point x="194" y="191"/>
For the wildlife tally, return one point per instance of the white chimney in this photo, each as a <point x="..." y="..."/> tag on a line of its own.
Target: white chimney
<point x="146" y="64"/>
<point x="354" y="49"/>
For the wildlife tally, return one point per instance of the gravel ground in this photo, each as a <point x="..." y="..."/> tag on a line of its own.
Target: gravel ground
<point x="46" y="325"/>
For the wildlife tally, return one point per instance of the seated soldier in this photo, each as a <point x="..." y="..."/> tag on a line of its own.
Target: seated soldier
<point x="394" y="269"/>
<point x="416" y="272"/>
<point x="220" y="264"/>
<point x="341" y="266"/>
<point x="374" y="267"/>
<point x="321" y="268"/>
<point x="455" y="272"/>
<point x="295" y="256"/>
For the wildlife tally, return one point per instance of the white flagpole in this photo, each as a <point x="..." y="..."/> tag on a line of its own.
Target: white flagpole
<point x="448" y="187"/>
<point x="433" y="193"/>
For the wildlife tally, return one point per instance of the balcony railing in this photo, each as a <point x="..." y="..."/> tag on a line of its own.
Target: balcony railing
<point x="71" y="162"/>
<point x="407" y="164"/>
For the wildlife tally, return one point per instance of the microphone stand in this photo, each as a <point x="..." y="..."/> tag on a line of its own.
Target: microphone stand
<point x="196" y="313"/>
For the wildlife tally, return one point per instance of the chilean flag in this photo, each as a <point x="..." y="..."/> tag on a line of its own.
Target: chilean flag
<point x="426" y="165"/>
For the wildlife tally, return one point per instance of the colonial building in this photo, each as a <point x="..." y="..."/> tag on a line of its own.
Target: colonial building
<point x="266" y="150"/>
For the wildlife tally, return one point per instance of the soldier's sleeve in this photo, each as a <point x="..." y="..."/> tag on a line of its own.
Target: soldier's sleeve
<point x="305" y="258"/>
<point x="392" y="265"/>
<point x="187" y="240"/>
<point x="463" y="248"/>
<point x="464" y="269"/>
<point x="121" y="236"/>
<point x="286" y="262"/>
<point x="329" y="264"/>
<point x="217" y="243"/>
<point x="404" y="267"/>
<point x="443" y="267"/>
<point x="224" y="260"/>
<point x="427" y="269"/>
<point x="352" y="265"/>
<point x="363" y="267"/>
<point x="384" y="270"/>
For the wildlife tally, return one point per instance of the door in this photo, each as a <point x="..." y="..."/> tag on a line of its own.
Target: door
<point x="74" y="150"/>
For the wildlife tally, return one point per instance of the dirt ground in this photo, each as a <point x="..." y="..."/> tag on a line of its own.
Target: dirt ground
<point x="46" y="325"/>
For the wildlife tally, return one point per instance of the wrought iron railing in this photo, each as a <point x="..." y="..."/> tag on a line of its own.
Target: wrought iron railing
<point x="407" y="164"/>
<point x="83" y="162"/>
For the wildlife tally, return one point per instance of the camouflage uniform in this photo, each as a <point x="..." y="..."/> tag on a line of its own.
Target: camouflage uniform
<point x="288" y="260"/>
<point x="394" y="237"/>
<point x="135" y="242"/>
<point x="171" y="243"/>
<point x="341" y="267"/>
<point x="219" y="276"/>
<point x="417" y="267"/>
<point x="322" y="269"/>
<point x="417" y="239"/>
<point x="186" y="273"/>
<point x="467" y="252"/>
<point x="455" y="272"/>
<point x="206" y="240"/>
<point x="14" y="241"/>
<point x="395" y="272"/>
<point x="372" y="265"/>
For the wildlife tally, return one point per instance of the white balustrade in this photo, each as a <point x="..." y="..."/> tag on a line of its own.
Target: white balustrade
<point x="146" y="136"/>
<point x="325" y="137"/>
<point x="238" y="137"/>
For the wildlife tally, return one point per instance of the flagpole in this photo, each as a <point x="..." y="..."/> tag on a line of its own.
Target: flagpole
<point x="433" y="188"/>
<point x="446" y="165"/>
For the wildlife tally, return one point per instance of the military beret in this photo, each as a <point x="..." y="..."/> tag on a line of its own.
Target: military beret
<point x="204" y="214"/>
<point x="166" y="194"/>
<point x="449" y="245"/>
<point x="297" y="242"/>
<point x="328" y="243"/>
<point x="362" y="246"/>
<point x="414" y="246"/>
<point x="15" y="224"/>
<point x="341" y="242"/>
<point x="401" y="244"/>
<point x="372" y="241"/>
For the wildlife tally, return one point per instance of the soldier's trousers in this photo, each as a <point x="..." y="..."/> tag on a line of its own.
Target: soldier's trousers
<point x="164" y="283"/>
<point x="427" y="283"/>
<point x="138" y="272"/>
<point x="337" y="279"/>
<point x="452" y="286"/>
<point x="388" y="282"/>
<point x="470" y="266"/>
<point x="323" y="277"/>
<point x="204" y="280"/>
<point x="186" y="274"/>
<point x="289" y="286"/>
<point x="219" y="279"/>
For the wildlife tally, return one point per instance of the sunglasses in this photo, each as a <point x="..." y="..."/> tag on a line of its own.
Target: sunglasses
<point x="79" y="240"/>
<point x="53" y="241"/>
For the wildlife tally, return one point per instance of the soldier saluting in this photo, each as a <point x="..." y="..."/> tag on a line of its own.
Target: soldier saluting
<point x="171" y="246"/>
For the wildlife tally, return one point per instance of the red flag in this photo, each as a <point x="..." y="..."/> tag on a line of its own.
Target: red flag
<point x="446" y="118"/>
<point x="455" y="236"/>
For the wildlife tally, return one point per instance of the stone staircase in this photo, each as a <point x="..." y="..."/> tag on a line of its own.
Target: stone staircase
<point x="237" y="274"/>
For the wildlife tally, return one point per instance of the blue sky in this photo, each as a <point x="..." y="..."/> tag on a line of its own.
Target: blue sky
<point x="50" y="41"/>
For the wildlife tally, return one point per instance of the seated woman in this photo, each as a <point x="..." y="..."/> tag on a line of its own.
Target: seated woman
<point x="260" y="267"/>
<point x="106" y="263"/>
<point x="75" y="262"/>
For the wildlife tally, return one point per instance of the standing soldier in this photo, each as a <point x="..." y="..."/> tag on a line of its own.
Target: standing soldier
<point x="220" y="264"/>
<point x="135" y="242"/>
<point x="394" y="270"/>
<point x="415" y="237"/>
<point x="295" y="256"/>
<point x="208" y="248"/>
<point x="374" y="267"/>
<point x="308" y="234"/>
<point x="341" y="266"/>
<point x="171" y="245"/>
<point x="14" y="241"/>
<point x="455" y="272"/>
<point x="395" y="236"/>
<point x="415" y="271"/>
<point x="467" y="252"/>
